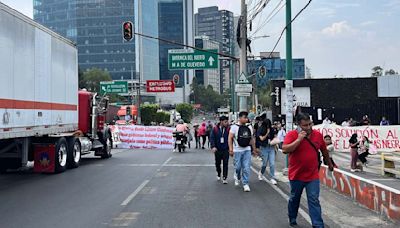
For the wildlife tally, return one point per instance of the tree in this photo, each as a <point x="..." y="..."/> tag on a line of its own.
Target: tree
<point x="148" y="113"/>
<point x="264" y="95"/>
<point x="207" y="97"/>
<point x="377" y="71"/>
<point x="186" y="111"/>
<point x="391" y="72"/>
<point x="91" y="79"/>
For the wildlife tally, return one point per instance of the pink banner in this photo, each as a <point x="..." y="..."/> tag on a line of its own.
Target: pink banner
<point x="385" y="138"/>
<point x="143" y="137"/>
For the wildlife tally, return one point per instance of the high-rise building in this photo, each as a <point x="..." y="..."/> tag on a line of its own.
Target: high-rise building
<point x="211" y="76"/>
<point x="147" y="50"/>
<point x="175" y="23"/>
<point x="218" y="25"/>
<point x="96" y="27"/>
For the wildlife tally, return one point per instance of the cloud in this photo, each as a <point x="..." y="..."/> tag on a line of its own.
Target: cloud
<point x="325" y="11"/>
<point x="367" y="23"/>
<point x="339" y="28"/>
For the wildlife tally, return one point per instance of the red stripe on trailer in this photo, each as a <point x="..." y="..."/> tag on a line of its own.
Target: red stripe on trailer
<point x="21" y="104"/>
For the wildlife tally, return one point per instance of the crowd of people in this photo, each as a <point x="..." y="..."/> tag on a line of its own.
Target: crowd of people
<point x="263" y="138"/>
<point x="350" y="122"/>
<point x="243" y="139"/>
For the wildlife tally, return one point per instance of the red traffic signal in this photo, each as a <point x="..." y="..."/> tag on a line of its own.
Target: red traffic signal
<point x="127" y="30"/>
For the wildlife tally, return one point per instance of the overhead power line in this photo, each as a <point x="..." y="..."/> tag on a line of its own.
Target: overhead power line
<point x="185" y="45"/>
<point x="284" y="29"/>
<point x="273" y="13"/>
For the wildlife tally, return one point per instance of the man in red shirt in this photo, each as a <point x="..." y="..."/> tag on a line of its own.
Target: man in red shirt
<point x="303" y="146"/>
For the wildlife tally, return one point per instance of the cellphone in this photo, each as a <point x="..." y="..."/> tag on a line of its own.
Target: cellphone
<point x="298" y="129"/>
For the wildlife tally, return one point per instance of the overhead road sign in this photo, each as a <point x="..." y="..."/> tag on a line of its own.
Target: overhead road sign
<point x="186" y="59"/>
<point x="113" y="87"/>
<point x="160" y="86"/>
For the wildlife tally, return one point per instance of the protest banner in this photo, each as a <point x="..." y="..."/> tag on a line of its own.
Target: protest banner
<point x="143" y="137"/>
<point x="385" y="138"/>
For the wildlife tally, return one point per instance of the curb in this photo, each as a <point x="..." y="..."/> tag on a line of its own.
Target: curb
<point x="375" y="196"/>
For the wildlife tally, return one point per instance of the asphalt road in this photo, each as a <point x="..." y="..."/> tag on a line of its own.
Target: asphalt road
<point x="139" y="188"/>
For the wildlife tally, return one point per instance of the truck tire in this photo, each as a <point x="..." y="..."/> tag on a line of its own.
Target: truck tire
<point x="107" y="146"/>
<point x="61" y="155"/>
<point x="74" y="153"/>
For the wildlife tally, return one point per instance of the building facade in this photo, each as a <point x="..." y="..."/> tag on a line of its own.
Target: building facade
<point x="275" y="68"/>
<point x="211" y="76"/>
<point x="96" y="27"/>
<point x="218" y="25"/>
<point x="175" y="23"/>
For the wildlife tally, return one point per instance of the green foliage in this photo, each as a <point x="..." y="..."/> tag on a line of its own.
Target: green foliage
<point x="162" y="117"/>
<point x="209" y="99"/>
<point x="264" y="95"/>
<point x="186" y="111"/>
<point x="148" y="113"/>
<point x="91" y="79"/>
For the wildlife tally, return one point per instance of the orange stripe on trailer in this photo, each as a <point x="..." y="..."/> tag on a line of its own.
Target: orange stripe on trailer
<point x="21" y="104"/>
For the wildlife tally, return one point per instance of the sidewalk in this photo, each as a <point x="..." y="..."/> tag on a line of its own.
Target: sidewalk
<point x="338" y="210"/>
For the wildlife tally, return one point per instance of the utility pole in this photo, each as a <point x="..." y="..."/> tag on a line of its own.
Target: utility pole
<point x="243" y="52"/>
<point x="139" y="117"/>
<point x="289" y="72"/>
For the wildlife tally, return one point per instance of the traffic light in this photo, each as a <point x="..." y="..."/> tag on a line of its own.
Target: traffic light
<point x="127" y="29"/>
<point x="128" y="111"/>
<point x="262" y="71"/>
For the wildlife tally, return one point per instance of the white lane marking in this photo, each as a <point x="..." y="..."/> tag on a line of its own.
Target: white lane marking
<point x="189" y="165"/>
<point x="140" y="165"/>
<point x="301" y="211"/>
<point x="166" y="162"/>
<point x="131" y="196"/>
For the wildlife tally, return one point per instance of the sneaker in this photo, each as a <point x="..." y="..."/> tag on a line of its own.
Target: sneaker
<point x="246" y="188"/>
<point x="352" y="170"/>
<point x="218" y="178"/>
<point x="273" y="181"/>
<point x="174" y="151"/>
<point x="225" y="181"/>
<point x="260" y="176"/>
<point x="358" y="170"/>
<point x="237" y="182"/>
<point x="293" y="223"/>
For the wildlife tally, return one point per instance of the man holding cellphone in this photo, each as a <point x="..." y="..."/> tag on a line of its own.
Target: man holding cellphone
<point x="303" y="146"/>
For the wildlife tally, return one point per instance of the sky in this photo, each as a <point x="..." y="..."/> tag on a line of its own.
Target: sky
<point x="336" y="38"/>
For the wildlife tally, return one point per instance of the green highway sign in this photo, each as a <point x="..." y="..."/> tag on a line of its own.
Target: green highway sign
<point x="113" y="87"/>
<point x="186" y="59"/>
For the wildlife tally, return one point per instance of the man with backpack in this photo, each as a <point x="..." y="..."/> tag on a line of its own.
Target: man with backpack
<point x="219" y="146"/>
<point x="240" y="142"/>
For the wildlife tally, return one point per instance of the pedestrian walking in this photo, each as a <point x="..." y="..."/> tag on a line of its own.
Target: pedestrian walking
<point x="202" y="134"/>
<point x="281" y="135"/>
<point x="220" y="148"/>
<point x="265" y="134"/>
<point x="209" y="128"/>
<point x="196" y="135"/>
<point x="303" y="145"/>
<point x="241" y="142"/>
<point x="329" y="146"/>
<point x="363" y="150"/>
<point x="354" y="144"/>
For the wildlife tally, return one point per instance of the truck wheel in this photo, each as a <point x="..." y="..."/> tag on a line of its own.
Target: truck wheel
<point x="108" y="146"/>
<point x="74" y="153"/>
<point x="61" y="155"/>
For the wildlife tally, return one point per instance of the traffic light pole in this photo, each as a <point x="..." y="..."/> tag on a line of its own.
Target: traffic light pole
<point x="243" y="52"/>
<point x="289" y="73"/>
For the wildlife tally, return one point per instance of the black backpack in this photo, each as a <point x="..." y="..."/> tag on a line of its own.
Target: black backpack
<point x="244" y="136"/>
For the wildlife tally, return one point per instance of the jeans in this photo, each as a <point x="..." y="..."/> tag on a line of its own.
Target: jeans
<point x="314" y="207"/>
<point x="242" y="165"/>
<point x="221" y="155"/>
<point x="354" y="157"/>
<point x="268" y="156"/>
